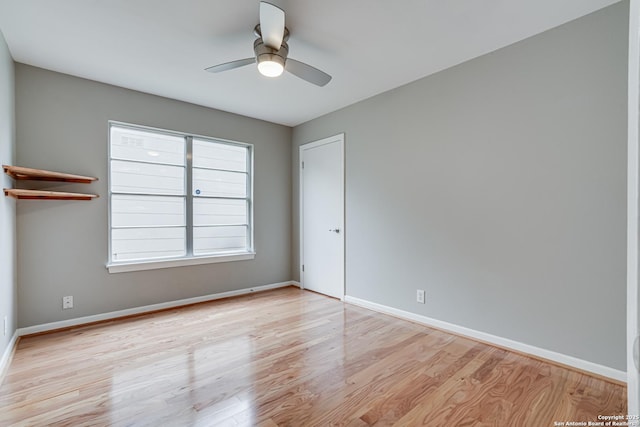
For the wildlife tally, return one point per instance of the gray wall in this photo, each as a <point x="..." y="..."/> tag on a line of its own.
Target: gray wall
<point x="8" y="290"/>
<point x="62" y="245"/>
<point x="499" y="186"/>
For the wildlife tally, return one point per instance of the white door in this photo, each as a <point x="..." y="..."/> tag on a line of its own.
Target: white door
<point x="322" y="216"/>
<point x="633" y="212"/>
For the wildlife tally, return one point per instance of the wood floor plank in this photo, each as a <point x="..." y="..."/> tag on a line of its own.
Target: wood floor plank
<point x="286" y="358"/>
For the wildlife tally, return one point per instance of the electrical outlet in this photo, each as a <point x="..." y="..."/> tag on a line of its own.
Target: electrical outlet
<point x="6" y="325"/>
<point x="420" y="296"/>
<point x="67" y="302"/>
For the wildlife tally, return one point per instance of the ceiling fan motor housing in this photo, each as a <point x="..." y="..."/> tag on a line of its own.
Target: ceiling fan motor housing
<point x="265" y="53"/>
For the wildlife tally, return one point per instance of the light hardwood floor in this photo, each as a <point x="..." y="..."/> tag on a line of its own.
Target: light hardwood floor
<point x="286" y="357"/>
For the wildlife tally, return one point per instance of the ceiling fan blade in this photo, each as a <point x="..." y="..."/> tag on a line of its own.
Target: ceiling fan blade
<point x="271" y="25"/>
<point x="307" y="72"/>
<point x="230" y="65"/>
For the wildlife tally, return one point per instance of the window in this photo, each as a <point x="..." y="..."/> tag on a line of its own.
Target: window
<point x="177" y="199"/>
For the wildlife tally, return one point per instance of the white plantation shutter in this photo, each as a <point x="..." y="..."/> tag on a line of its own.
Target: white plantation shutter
<point x="153" y="215"/>
<point x="220" y="197"/>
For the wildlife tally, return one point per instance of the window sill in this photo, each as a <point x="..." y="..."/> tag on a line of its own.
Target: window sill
<point x="121" y="267"/>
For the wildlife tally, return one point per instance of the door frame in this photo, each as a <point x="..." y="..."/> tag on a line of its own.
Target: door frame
<point x="633" y="211"/>
<point x="309" y="145"/>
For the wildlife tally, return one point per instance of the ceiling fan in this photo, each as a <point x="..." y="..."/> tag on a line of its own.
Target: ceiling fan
<point x="271" y="50"/>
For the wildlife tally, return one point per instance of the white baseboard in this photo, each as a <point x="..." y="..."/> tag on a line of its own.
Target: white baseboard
<point x="563" y="359"/>
<point x="7" y="355"/>
<point x="146" y="309"/>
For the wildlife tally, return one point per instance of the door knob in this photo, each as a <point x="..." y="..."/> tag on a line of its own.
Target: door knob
<point x="335" y="230"/>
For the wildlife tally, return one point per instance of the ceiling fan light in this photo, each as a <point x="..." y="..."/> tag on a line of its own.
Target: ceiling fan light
<point x="270" y="65"/>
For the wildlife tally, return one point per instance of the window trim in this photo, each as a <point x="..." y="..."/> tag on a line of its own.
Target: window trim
<point x="121" y="267"/>
<point x="188" y="259"/>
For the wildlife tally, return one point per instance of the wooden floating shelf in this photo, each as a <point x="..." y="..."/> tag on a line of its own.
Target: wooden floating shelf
<point x="19" y="172"/>
<point x="43" y="194"/>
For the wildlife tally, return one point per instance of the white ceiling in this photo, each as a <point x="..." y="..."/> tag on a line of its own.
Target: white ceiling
<point x="368" y="46"/>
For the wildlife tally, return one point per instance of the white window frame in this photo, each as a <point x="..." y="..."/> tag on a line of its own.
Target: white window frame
<point x="189" y="258"/>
